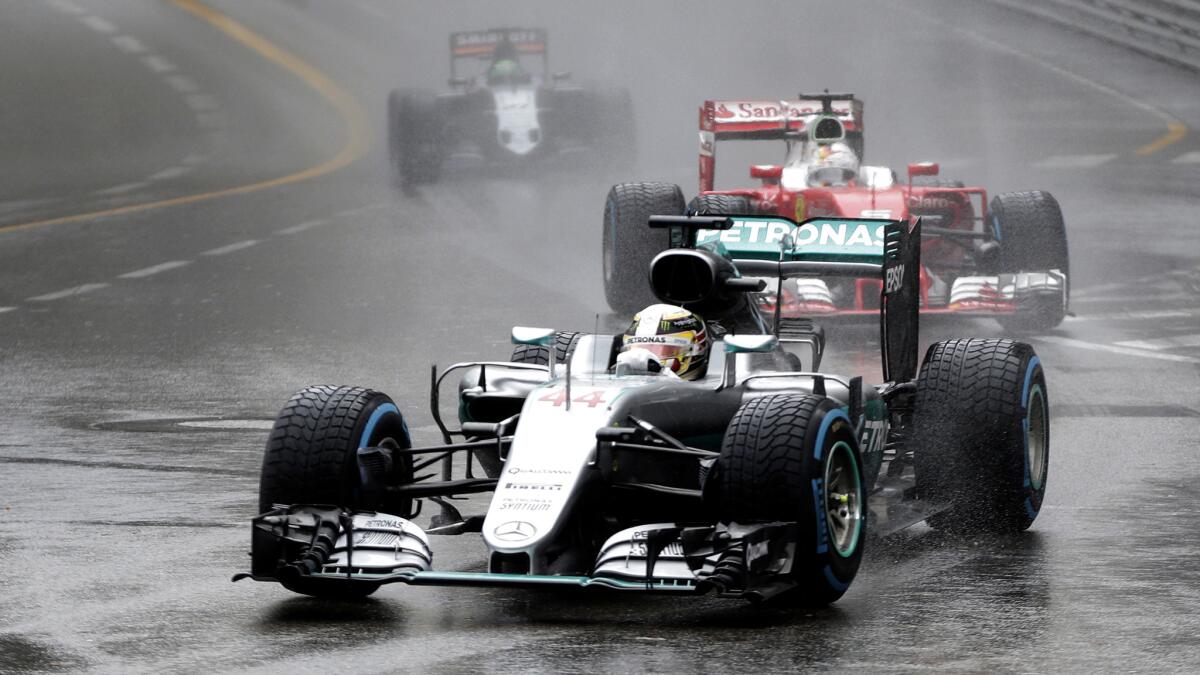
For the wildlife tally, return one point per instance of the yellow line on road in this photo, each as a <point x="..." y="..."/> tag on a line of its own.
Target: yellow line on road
<point x="352" y="114"/>
<point x="1175" y="133"/>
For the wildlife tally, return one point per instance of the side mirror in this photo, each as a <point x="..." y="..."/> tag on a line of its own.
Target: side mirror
<point x="923" y="169"/>
<point x="540" y="337"/>
<point x="766" y="172"/>
<point x="878" y="177"/>
<point x="743" y="344"/>
<point x="558" y="77"/>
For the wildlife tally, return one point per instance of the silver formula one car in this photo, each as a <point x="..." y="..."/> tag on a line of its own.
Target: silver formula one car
<point x="758" y="480"/>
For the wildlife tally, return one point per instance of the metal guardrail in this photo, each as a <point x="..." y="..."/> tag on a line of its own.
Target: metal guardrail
<point x="1165" y="29"/>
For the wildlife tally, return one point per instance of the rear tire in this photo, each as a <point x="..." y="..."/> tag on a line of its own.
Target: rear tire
<point x="780" y="458"/>
<point x="312" y="458"/>
<point x="982" y="434"/>
<point x="1033" y="238"/>
<point x="719" y="205"/>
<point x="629" y="244"/>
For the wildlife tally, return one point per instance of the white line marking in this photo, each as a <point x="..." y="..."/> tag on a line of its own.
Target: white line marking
<point x="158" y="64"/>
<point x="18" y="204"/>
<point x="302" y="227"/>
<point x="67" y="292"/>
<point x="182" y="84"/>
<point x="67" y="6"/>
<point x="99" y="25"/>
<point x="7" y="309"/>
<point x="1111" y="349"/>
<point x="129" y="44"/>
<point x="202" y="102"/>
<point x="1119" y="316"/>
<point x="222" y="250"/>
<point x="1074" y="161"/>
<point x="255" y="425"/>
<point x="122" y="188"/>
<point x="173" y="172"/>
<point x="1163" y="343"/>
<point x="162" y="267"/>
<point x="1192" y="157"/>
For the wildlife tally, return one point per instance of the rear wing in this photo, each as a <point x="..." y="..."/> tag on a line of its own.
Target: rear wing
<point x="486" y="44"/>
<point x="763" y="120"/>
<point x="886" y="250"/>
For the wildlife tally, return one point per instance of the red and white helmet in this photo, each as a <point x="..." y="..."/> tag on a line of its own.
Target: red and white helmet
<point x="832" y="164"/>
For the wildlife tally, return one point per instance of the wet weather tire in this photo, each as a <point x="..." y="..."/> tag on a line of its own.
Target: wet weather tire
<point x="794" y="458"/>
<point x="1033" y="238"/>
<point x="717" y="205"/>
<point x="564" y="342"/>
<point x="629" y="244"/>
<point x="981" y="434"/>
<point x="312" y="458"/>
<point x="413" y="137"/>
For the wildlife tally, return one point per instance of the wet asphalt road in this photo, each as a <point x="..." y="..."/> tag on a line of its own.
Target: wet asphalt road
<point x="120" y="527"/>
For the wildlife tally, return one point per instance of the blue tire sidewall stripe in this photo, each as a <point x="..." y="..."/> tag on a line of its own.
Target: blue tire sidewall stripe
<point x="1031" y="508"/>
<point x="373" y="421"/>
<point x="818" y="488"/>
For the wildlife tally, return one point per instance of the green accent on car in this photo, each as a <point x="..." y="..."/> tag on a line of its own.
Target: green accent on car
<point x="816" y="239"/>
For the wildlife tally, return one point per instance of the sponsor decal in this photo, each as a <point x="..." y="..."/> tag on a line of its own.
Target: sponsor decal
<point x="488" y="38"/>
<point x="707" y="144"/>
<point x="541" y="487"/>
<point x="384" y="522"/>
<point x="637" y="545"/>
<point x="877" y="213"/>
<point x="672" y="550"/>
<point x="548" y="472"/>
<point x="773" y="111"/>
<point x="514" y="530"/>
<point x="893" y="279"/>
<point x="530" y="504"/>
<point x="811" y="234"/>
<point x="873" y="436"/>
<point x="376" y="539"/>
<point x="928" y="203"/>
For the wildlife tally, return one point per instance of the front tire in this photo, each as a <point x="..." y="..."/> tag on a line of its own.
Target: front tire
<point x="312" y="458"/>
<point x="794" y="458"/>
<point x="629" y="244"/>
<point x="414" y="141"/>
<point x="564" y="343"/>
<point x="982" y="434"/>
<point x="1033" y="238"/>
<point x="719" y="205"/>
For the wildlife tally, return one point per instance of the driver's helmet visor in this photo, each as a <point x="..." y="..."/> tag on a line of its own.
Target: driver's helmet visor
<point x="663" y="347"/>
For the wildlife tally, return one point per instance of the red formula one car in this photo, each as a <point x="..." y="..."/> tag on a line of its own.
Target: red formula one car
<point x="1007" y="258"/>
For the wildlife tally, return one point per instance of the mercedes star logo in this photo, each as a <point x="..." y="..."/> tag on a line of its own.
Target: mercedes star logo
<point x="516" y="530"/>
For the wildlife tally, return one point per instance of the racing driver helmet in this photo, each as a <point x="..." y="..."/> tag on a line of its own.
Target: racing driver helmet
<point x="833" y="164"/>
<point x="675" y="337"/>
